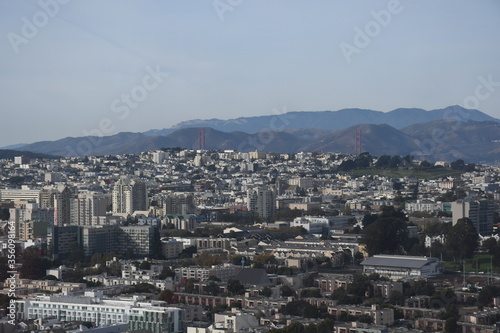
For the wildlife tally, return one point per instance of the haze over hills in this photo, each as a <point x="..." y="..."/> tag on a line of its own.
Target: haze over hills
<point x="456" y="133"/>
<point x="331" y="120"/>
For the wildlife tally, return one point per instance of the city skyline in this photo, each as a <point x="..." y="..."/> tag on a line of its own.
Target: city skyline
<point x="68" y="65"/>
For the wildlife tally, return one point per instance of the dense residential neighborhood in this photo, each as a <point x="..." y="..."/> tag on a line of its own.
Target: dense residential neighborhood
<point x="178" y="240"/>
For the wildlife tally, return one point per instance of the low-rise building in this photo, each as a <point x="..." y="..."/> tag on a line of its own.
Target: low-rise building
<point x="153" y="316"/>
<point x="396" y="267"/>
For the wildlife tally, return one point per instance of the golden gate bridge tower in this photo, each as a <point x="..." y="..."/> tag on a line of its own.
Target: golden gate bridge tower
<point x="357" y="144"/>
<point x="201" y="139"/>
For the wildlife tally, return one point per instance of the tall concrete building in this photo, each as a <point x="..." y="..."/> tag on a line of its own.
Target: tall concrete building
<point x="179" y="203"/>
<point x="61" y="240"/>
<point x="129" y="195"/>
<point x="86" y="206"/>
<point x="159" y="156"/>
<point x="132" y="241"/>
<point x="261" y="201"/>
<point x="23" y="194"/>
<point x="59" y="198"/>
<point x="480" y="212"/>
<point x="30" y="212"/>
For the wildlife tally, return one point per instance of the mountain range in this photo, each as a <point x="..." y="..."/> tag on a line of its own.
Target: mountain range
<point x="443" y="134"/>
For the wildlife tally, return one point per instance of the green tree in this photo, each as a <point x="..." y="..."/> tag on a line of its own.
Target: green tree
<point x="166" y="295"/>
<point x="308" y="281"/>
<point x="4" y="268"/>
<point x="76" y="254"/>
<point x="359" y="286"/>
<point x="166" y="272"/>
<point x="146" y="265"/>
<point x="207" y="259"/>
<point x="365" y="318"/>
<point x="212" y="288"/>
<point x="386" y="235"/>
<point x="312" y="292"/>
<point x="266" y="291"/>
<point x="396" y="298"/>
<point x="287" y="291"/>
<point x="326" y="325"/>
<point x="486" y="295"/>
<point x="490" y="245"/>
<point x="33" y="265"/>
<point x="462" y="240"/>
<point x="369" y="219"/>
<point x="450" y="325"/>
<point x="235" y="287"/>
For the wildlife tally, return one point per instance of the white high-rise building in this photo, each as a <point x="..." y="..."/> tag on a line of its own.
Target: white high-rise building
<point x="480" y="212"/>
<point x="129" y="195"/>
<point x="159" y="156"/>
<point x="86" y="206"/>
<point x="261" y="201"/>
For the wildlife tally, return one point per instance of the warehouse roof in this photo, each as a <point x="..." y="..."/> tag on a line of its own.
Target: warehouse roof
<point x="398" y="261"/>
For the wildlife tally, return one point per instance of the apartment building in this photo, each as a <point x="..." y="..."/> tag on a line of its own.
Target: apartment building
<point x="92" y="307"/>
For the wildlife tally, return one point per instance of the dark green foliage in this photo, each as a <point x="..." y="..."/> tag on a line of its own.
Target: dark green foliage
<point x="301" y="308"/>
<point x="165" y="273"/>
<point x="235" y="287"/>
<point x="490" y="245"/>
<point x="287" y="214"/>
<point x="76" y="254"/>
<point x="144" y="288"/>
<point x="312" y="292"/>
<point x="419" y="287"/>
<point x="145" y="265"/>
<point x="385" y="235"/>
<point x="266" y="292"/>
<point x="308" y="281"/>
<point x="365" y="318"/>
<point x="287" y="291"/>
<point x="212" y="288"/>
<point x="342" y="297"/>
<point x="33" y="265"/>
<point x="359" y="285"/>
<point x="4" y="214"/>
<point x="451" y="326"/>
<point x="462" y="240"/>
<point x="323" y="326"/>
<point x="3" y="269"/>
<point x="397" y="298"/>
<point x="188" y="252"/>
<point x="486" y="295"/>
<point x="369" y="219"/>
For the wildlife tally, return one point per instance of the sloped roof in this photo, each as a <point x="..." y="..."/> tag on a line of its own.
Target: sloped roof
<point x="253" y="276"/>
<point x="398" y="261"/>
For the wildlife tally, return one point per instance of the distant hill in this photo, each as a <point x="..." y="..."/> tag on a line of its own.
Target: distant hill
<point x="120" y="143"/>
<point x="449" y="140"/>
<point x="444" y="138"/>
<point x="376" y="139"/>
<point x="9" y="154"/>
<point x="132" y="143"/>
<point x="330" y="120"/>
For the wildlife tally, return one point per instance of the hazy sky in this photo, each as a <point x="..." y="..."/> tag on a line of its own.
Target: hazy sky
<point x="72" y="67"/>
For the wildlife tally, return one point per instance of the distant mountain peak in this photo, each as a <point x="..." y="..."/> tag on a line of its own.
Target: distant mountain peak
<point x="401" y="131"/>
